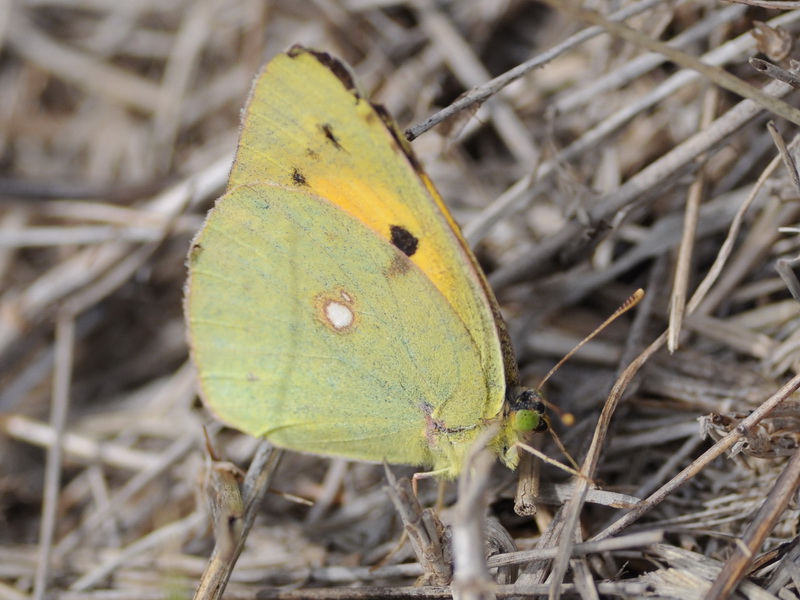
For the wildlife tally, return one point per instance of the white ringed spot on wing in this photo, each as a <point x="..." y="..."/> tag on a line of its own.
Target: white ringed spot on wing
<point x="336" y="310"/>
<point x="339" y="315"/>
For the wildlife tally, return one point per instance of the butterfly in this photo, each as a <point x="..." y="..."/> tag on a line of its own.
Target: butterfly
<point x="332" y="304"/>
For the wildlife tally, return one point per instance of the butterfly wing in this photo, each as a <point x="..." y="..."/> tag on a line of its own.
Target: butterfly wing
<point x="312" y="330"/>
<point x="306" y="126"/>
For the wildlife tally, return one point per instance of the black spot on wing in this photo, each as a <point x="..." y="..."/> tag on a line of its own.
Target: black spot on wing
<point x="298" y="178"/>
<point x="327" y="130"/>
<point x="403" y="239"/>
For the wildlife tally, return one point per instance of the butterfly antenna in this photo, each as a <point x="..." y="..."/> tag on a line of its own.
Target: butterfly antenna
<point x="632" y="301"/>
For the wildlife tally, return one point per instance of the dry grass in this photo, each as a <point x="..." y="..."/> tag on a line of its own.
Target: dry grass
<point x="603" y="169"/>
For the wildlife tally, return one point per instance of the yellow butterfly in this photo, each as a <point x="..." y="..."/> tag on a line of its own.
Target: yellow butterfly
<point x="333" y="305"/>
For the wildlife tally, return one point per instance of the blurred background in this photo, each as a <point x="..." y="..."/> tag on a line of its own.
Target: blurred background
<point x="118" y="123"/>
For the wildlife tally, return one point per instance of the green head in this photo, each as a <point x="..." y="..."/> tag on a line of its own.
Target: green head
<point x="524" y="414"/>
